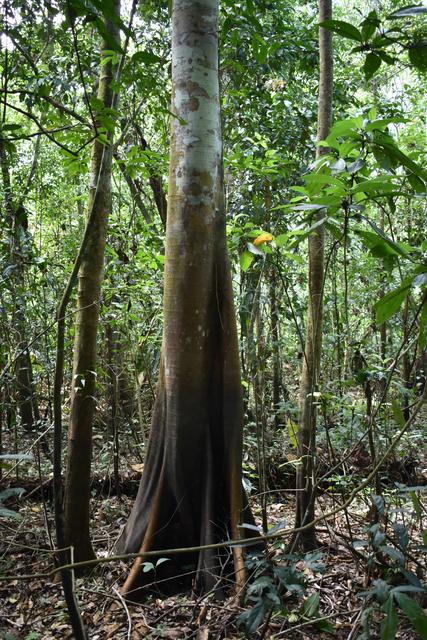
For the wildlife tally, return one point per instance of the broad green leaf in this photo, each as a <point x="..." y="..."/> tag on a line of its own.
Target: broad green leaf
<point x="398" y="248"/>
<point x="343" y="29"/>
<point x="385" y="57"/>
<point x="416" y="183"/>
<point x="401" y="534"/>
<point x="398" y="412"/>
<point x="369" y="25"/>
<point x="111" y="42"/>
<point x="387" y="143"/>
<point x="393" y="553"/>
<point x="418" y="55"/>
<point x="8" y="513"/>
<point x="382" y="123"/>
<point x="414" y="613"/>
<point x="253" y="617"/>
<point x="281" y="239"/>
<point x="146" y="57"/>
<point x="375" y="186"/>
<point x="320" y="179"/>
<point x="389" y="623"/>
<point x="377" y="246"/>
<point x="310" y="607"/>
<point x="390" y="303"/>
<point x="334" y="229"/>
<point x="10" y="127"/>
<point x="246" y="260"/>
<point x="371" y="65"/>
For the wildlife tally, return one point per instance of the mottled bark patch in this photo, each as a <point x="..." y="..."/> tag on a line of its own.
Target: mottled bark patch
<point x="192" y="104"/>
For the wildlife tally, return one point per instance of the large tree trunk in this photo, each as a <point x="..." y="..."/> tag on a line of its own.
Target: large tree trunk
<point x="191" y="491"/>
<point x="77" y="487"/>
<point x="305" y="497"/>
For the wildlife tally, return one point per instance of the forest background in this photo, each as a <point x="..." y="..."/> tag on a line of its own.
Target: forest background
<point x="86" y="93"/>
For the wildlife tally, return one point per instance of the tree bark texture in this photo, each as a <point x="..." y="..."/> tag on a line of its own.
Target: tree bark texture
<point x="191" y="490"/>
<point x="77" y="486"/>
<point x="313" y="345"/>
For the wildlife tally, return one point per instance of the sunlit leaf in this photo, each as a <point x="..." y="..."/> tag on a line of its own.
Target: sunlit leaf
<point x="262" y="239"/>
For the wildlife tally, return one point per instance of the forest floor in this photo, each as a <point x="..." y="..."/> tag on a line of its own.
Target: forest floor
<point x="34" y="609"/>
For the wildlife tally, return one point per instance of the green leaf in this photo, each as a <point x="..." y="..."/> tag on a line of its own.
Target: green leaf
<point x="375" y="186"/>
<point x="310" y="607"/>
<point x="11" y="491"/>
<point x="385" y="57"/>
<point x="394" y="554"/>
<point x="8" y="513"/>
<point x="411" y="10"/>
<point x="342" y="127"/>
<point x="146" y="57"/>
<point x="398" y="412"/>
<point x="418" y="55"/>
<point x="246" y="260"/>
<point x="413" y="611"/>
<point x="343" y="29"/>
<point x="371" y="65"/>
<point x="376" y="245"/>
<point x="369" y="25"/>
<point x="320" y="179"/>
<point x="397" y="248"/>
<point x="10" y="127"/>
<point x="416" y="183"/>
<point x="252" y="618"/>
<point x="387" y="143"/>
<point x="281" y="239"/>
<point x="326" y="626"/>
<point x="111" y="42"/>
<point x="389" y="624"/>
<point x="391" y="303"/>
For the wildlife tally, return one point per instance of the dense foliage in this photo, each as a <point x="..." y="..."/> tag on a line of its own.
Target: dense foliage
<point x="368" y="191"/>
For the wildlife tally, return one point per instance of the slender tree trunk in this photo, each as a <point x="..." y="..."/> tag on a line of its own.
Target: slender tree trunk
<point x="313" y="345"/>
<point x="274" y="314"/>
<point x="191" y="490"/>
<point x="77" y="487"/>
<point x="113" y="354"/>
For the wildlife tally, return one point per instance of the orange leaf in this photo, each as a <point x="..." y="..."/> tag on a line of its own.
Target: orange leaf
<point x="262" y="238"/>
